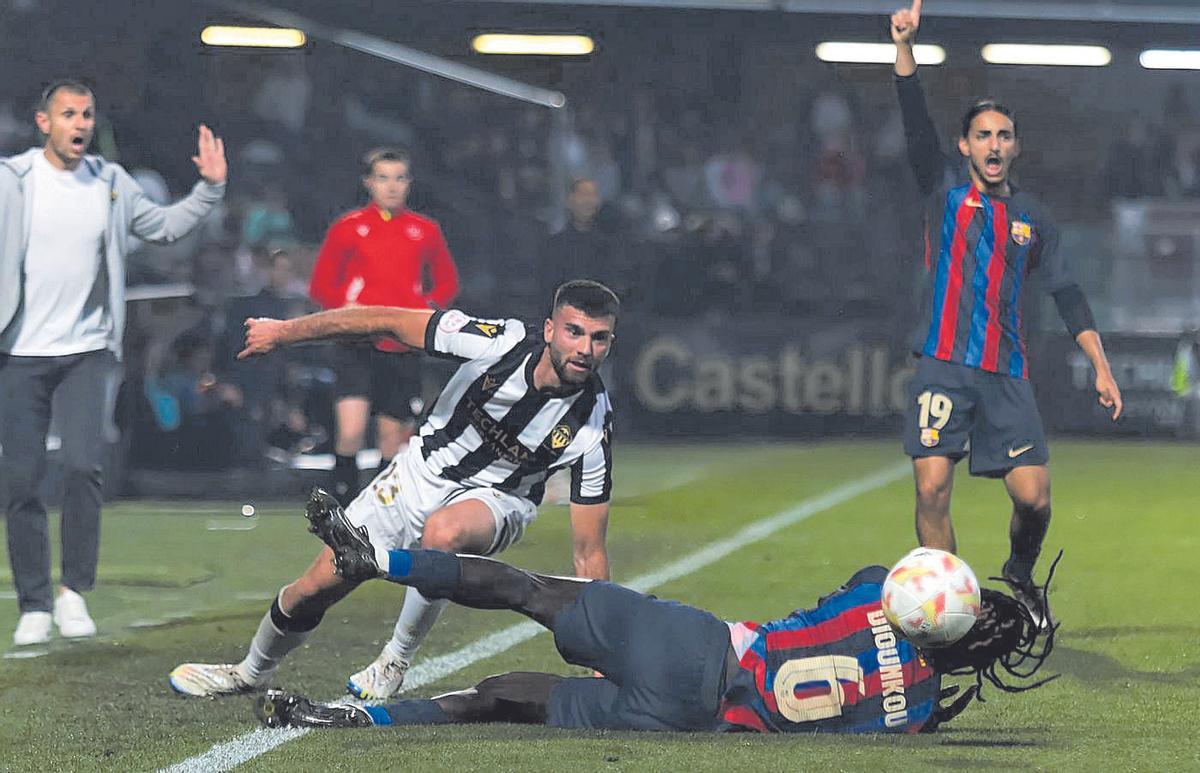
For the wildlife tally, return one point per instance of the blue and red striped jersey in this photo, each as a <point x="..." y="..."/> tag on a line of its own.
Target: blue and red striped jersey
<point x="980" y="250"/>
<point x="837" y="668"/>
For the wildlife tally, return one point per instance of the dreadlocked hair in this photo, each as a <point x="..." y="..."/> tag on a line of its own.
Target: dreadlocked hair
<point x="1003" y="638"/>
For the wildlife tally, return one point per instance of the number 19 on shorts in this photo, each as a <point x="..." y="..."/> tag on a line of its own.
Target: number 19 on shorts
<point x="935" y="414"/>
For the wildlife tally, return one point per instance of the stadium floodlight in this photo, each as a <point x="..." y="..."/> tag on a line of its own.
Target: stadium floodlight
<point x="1053" y="55"/>
<point x="252" y="37"/>
<point x="1169" y="59"/>
<point x="538" y="45"/>
<point x="875" y="53"/>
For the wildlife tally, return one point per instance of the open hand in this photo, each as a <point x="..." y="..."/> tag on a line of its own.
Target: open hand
<point x="905" y="23"/>
<point x="210" y="157"/>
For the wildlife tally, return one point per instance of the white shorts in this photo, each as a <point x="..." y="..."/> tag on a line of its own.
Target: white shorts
<point x="395" y="506"/>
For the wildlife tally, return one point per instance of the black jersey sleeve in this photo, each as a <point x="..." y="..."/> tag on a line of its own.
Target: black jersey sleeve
<point x="924" y="146"/>
<point x="1053" y="269"/>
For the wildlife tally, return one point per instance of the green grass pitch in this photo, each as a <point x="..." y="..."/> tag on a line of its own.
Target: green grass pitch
<point x="189" y="581"/>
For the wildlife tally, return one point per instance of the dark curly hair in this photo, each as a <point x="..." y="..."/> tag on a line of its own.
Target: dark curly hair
<point x="1004" y="637"/>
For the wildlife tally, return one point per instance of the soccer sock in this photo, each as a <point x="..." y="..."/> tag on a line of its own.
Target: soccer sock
<point x="434" y="572"/>
<point x="423" y="711"/>
<point x="1025" y="537"/>
<point x="345" y="476"/>
<point x="416" y="618"/>
<point x="277" y="635"/>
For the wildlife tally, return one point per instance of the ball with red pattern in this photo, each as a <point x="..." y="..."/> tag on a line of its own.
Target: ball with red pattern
<point x="931" y="597"/>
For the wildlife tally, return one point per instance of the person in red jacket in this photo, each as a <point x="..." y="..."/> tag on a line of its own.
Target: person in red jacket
<point x="379" y="256"/>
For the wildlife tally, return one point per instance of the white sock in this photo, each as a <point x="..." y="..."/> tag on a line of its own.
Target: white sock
<point x="268" y="648"/>
<point x="416" y="618"/>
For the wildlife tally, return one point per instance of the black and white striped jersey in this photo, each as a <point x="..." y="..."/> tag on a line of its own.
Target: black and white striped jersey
<point x="491" y="428"/>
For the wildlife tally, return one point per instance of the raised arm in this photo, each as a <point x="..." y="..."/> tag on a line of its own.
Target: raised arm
<point x="905" y="23"/>
<point x="924" y="147"/>
<point x="405" y="325"/>
<point x="162" y="225"/>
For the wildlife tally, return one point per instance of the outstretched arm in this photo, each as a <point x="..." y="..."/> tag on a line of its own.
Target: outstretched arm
<point x="406" y="325"/>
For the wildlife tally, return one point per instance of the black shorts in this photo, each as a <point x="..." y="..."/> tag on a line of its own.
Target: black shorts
<point x="664" y="662"/>
<point x="954" y="410"/>
<point x="390" y="380"/>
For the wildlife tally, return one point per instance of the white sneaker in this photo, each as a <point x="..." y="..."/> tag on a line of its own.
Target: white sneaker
<point x="32" y="628"/>
<point x="380" y="680"/>
<point x="208" y="681"/>
<point x="71" y="616"/>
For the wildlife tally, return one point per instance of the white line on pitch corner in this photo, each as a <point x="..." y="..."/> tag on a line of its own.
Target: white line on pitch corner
<point x="228" y="755"/>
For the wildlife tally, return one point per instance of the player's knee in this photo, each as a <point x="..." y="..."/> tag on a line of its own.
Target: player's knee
<point x="444" y="534"/>
<point x="933" y="492"/>
<point x="1037" y="505"/>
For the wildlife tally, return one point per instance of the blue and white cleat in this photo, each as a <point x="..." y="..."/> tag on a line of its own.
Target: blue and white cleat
<point x="205" y="680"/>
<point x="381" y="680"/>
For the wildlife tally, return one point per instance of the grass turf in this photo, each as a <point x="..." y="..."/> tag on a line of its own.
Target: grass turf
<point x="189" y="582"/>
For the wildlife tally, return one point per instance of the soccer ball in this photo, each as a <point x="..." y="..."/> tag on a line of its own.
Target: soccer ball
<point x="931" y="597"/>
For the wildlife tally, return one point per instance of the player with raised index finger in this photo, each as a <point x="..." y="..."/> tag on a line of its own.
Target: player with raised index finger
<point x="984" y="238"/>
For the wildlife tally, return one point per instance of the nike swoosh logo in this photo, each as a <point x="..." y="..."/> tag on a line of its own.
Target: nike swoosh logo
<point x="1013" y="453"/>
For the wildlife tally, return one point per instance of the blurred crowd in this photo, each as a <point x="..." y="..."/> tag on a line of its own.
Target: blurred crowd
<point x="687" y="198"/>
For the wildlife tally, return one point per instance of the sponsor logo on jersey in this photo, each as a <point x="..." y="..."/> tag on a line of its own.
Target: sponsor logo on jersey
<point x="497" y="435"/>
<point x="1022" y="232"/>
<point x="560" y="436"/>
<point x="930" y="437"/>
<point x="490" y="382"/>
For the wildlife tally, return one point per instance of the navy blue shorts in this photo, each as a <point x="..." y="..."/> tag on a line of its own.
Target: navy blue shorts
<point x="954" y="410"/>
<point x="664" y="662"/>
<point x="390" y="380"/>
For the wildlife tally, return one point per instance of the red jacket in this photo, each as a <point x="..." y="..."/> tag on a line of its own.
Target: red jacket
<point x="371" y="258"/>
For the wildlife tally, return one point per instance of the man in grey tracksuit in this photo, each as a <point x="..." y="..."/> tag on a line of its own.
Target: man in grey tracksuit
<point x="66" y="219"/>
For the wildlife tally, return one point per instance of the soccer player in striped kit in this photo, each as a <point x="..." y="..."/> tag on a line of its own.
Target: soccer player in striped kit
<point x="524" y="403"/>
<point x="984" y="237"/>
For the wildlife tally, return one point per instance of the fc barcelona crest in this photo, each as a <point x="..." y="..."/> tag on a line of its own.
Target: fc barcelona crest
<point x="560" y="437"/>
<point x="1022" y="232"/>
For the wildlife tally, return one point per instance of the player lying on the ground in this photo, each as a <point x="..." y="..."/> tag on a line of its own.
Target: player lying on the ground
<point x="836" y="668"/>
<point x="520" y="407"/>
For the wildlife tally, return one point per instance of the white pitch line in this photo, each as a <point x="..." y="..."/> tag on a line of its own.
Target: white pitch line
<point x="244" y="748"/>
